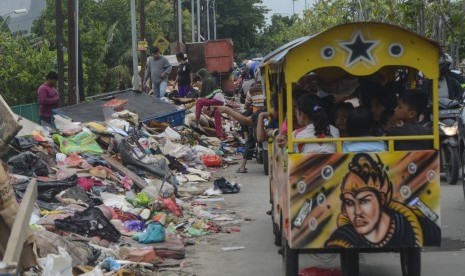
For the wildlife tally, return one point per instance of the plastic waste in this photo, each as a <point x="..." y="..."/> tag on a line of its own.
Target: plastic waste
<point x="115" y="201"/>
<point x="134" y="225"/>
<point x="57" y="265"/>
<point x="195" y="232"/>
<point x="172" y="206"/>
<point x="142" y="199"/>
<point x="211" y="160"/>
<point x="110" y="264"/>
<point x="79" y="143"/>
<point x="66" y="126"/>
<point x="28" y="164"/>
<point x="89" y="223"/>
<point x="169" y="134"/>
<point x="155" y="232"/>
<point x="48" y="189"/>
<point x="24" y="142"/>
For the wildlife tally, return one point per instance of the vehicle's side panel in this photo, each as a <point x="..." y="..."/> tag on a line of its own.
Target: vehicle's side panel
<point x="367" y="200"/>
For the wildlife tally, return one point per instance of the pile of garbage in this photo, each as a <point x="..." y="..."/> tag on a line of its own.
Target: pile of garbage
<point x="119" y="195"/>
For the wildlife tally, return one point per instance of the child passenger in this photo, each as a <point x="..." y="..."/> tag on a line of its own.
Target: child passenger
<point x="316" y="125"/>
<point x="341" y="111"/>
<point x="359" y="124"/>
<point x="411" y="104"/>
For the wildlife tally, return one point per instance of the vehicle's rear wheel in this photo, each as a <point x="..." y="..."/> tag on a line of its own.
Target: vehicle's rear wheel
<point x="452" y="161"/>
<point x="277" y="235"/>
<point x="350" y="262"/>
<point x="410" y="261"/>
<point x="290" y="259"/>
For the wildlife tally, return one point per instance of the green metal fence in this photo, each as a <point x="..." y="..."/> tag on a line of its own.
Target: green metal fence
<point x="28" y="111"/>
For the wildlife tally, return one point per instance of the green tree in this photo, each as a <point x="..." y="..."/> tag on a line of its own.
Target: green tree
<point x="241" y="21"/>
<point x="23" y="67"/>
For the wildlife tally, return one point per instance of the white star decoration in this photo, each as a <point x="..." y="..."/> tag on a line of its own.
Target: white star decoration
<point x="359" y="49"/>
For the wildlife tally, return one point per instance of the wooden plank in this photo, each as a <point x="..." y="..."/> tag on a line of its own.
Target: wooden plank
<point x="21" y="224"/>
<point x="122" y="169"/>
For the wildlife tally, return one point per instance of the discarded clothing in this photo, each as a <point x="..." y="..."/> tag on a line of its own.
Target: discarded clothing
<point x="226" y="187"/>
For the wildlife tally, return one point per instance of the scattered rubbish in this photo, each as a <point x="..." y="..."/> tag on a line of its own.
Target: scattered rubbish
<point x="318" y="271"/>
<point x="233" y="248"/>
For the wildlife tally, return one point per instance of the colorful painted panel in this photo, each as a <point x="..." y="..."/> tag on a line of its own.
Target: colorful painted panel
<point x="384" y="200"/>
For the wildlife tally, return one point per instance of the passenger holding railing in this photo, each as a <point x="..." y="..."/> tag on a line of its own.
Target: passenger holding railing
<point x="316" y="125"/>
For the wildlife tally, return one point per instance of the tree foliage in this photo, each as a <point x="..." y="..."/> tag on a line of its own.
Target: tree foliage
<point x="23" y="67"/>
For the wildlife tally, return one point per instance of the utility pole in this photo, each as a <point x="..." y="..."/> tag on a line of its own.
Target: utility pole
<point x="143" y="55"/>
<point x="208" y="19"/>
<point x="198" y="20"/>
<point x="61" y="66"/>
<point x="214" y="19"/>
<point x="193" y="20"/>
<point x="72" y="91"/>
<point x="179" y="24"/>
<point x="135" y="73"/>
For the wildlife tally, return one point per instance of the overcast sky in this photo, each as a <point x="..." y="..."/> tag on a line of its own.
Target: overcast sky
<point x="284" y="7"/>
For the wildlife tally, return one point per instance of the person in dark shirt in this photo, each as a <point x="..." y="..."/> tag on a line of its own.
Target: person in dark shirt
<point x="411" y="104"/>
<point x="185" y="77"/>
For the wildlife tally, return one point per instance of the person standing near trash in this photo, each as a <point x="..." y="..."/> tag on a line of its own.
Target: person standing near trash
<point x="185" y="78"/>
<point x="212" y="100"/>
<point x="158" y="69"/>
<point x="48" y="98"/>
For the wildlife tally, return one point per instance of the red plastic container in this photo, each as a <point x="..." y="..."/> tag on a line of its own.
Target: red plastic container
<point x="219" y="55"/>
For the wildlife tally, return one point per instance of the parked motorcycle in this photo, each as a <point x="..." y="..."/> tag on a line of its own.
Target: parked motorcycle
<point x="449" y="111"/>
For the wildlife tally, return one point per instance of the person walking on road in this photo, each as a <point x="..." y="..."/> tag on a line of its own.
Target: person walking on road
<point x="48" y="98"/>
<point x="185" y="77"/>
<point x="158" y="69"/>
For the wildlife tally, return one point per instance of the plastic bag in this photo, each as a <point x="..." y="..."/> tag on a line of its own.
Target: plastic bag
<point x="142" y="199"/>
<point x="211" y="160"/>
<point x="169" y="134"/>
<point x="28" y="164"/>
<point x="24" y="142"/>
<point x="79" y="143"/>
<point x="134" y="225"/>
<point x="172" y="206"/>
<point x="89" y="223"/>
<point x="155" y="232"/>
<point x="48" y="189"/>
<point x="110" y="264"/>
<point x="57" y="265"/>
<point x="66" y="126"/>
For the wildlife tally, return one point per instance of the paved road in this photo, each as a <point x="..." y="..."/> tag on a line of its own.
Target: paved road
<point x="260" y="256"/>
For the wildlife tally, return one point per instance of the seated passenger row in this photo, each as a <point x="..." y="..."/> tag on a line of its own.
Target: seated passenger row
<point x="362" y="121"/>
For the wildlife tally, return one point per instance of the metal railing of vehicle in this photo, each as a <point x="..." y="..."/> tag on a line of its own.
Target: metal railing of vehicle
<point x="389" y="139"/>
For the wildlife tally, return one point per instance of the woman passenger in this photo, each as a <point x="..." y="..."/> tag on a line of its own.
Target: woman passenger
<point x="312" y="116"/>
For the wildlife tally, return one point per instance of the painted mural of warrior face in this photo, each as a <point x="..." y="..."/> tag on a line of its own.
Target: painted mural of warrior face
<point x="365" y="190"/>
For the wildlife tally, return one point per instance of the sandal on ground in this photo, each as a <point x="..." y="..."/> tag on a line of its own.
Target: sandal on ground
<point x="241" y="170"/>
